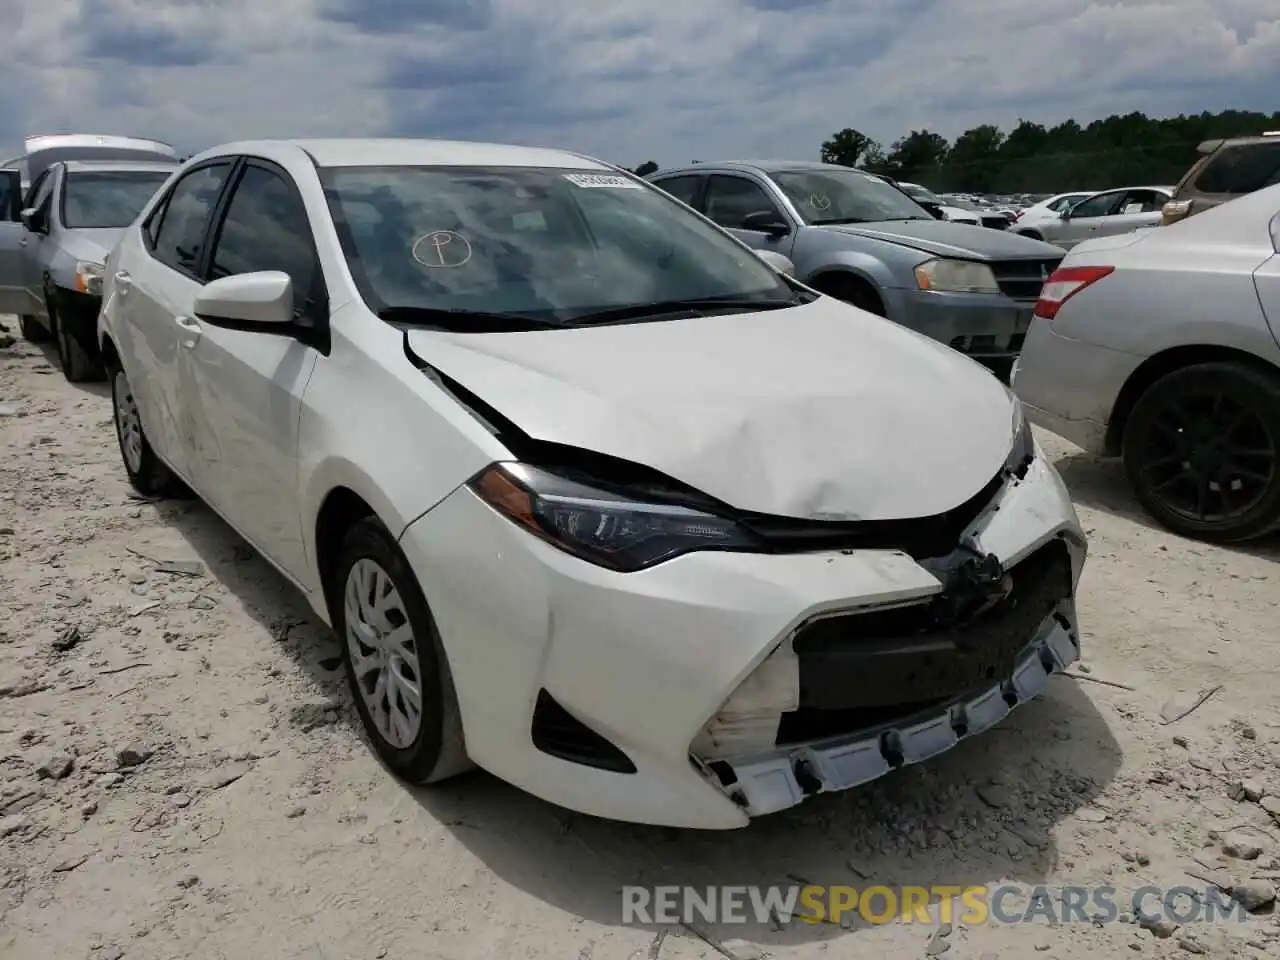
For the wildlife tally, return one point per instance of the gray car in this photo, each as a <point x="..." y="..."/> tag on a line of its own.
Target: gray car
<point x="54" y="246"/>
<point x="853" y="236"/>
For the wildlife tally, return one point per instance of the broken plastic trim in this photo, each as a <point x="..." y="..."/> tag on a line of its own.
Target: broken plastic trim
<point x="783" y="777"/>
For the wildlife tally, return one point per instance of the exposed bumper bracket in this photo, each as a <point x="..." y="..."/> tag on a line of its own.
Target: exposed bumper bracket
<point x="771" y="782"/>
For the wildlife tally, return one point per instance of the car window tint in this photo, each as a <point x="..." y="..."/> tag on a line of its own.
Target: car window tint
<point x="182" y="228"/>
<point x="729" y="200"/>
<point x="682" y="188"/>
<point x="266" y="228"/>
<point x="1241" y="169"/>
<point x="1099" y="206"/>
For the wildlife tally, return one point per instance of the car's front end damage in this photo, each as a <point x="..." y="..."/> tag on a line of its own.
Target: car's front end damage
<point x="810" y="613"/>
<point x="850" y="694"/>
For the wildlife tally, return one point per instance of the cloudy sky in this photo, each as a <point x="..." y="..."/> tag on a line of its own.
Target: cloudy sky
<point x="667" y="80"/>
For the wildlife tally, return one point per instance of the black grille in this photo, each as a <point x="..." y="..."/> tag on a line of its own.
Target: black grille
<point x="1022" y="279"/>
<point x="557" y="733"/>
<point x="909" y="657"/>
<point x="996" y="221"/>
<point x="921" y="538"/>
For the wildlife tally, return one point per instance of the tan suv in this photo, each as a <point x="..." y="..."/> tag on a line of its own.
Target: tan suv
<point x="1226" y="169"/>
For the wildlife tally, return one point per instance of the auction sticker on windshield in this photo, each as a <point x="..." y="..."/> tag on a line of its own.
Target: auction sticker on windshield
<point x="602" y="180"/>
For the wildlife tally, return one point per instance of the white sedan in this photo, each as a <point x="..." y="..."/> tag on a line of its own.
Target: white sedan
<point x="595" y="498"/>
<point x="1161" y="346"/>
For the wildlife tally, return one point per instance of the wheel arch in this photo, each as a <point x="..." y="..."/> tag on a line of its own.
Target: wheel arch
<point x="824" y="278"/>
<point x="1166" y="362"/>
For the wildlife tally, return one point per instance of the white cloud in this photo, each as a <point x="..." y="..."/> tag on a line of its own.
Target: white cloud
<point x="630" y="81"/>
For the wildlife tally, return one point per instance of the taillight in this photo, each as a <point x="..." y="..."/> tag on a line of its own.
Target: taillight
<point x="1018" y="215"/>
<point x="1063" y="284"/>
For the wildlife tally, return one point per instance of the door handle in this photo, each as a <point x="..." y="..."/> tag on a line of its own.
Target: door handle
<point x="22" y="242"/>
<point x="190" y="330"/>
<point x="123" y="282"/>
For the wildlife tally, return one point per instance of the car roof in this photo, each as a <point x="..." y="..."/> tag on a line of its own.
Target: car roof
<point x="761" y="166"/>
<point x="60" y="141"/>
<point x="408" y="152"/>
<point x="119" y="166"/>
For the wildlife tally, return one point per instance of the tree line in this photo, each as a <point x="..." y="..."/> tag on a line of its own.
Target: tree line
<point x="1034" y="158"/>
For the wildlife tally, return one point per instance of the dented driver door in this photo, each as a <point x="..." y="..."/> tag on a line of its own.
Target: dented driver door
<point x="13" y="293"/>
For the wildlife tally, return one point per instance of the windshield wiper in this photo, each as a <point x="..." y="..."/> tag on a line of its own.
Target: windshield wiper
<point x="837" y="220"/>
<point x="662" y="309"/>
<point x="460" y="320"/>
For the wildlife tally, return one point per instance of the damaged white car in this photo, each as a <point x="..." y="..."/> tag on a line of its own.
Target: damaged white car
<point x="595" y="498"/>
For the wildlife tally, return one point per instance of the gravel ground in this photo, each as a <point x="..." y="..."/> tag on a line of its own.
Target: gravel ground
<point x="180" y="776"/>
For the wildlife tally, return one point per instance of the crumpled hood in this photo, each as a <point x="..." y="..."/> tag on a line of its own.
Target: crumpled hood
<point x="91" y="245"/>
<point x="819" y="412"/>
<point x="943" y="239"/>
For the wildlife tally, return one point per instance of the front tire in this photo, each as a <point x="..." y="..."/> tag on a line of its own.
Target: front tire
<point x="77" y="365"/>
<point x="31" y="329"/>
<point x="395" y="663"/>
<point x="854" y="291"/>
<point x="147" y="473"/>
<point x="1202" y="451"/>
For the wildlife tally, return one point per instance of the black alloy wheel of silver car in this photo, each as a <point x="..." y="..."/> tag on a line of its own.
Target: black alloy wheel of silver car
<point x="1201" y="448"/>
<point x="395" y="663"/>
<point x="147" y="472"/>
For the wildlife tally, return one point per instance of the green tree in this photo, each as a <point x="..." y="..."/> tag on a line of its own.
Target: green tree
<point x="848" y="147"/>
<point x="918" y="156"/>
<point x="646" y="168"/>
<point x="1113" y="151"/>
<point x="973" y="163"/>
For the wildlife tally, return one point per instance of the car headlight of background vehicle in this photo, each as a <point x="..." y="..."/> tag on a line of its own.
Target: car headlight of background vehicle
<point x="89" y="277"/>
<point x="603" y="527"/>
<point x="956" y="276"/>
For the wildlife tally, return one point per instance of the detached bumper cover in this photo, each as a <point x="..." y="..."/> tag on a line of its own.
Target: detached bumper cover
<point x="786" y="776"/>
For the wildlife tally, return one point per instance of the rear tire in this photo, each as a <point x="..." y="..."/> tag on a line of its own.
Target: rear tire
<point x="147" y="472"/>
<point x="1201" y="448"/>
<point x="854" y="291"/>
<point x="390" y="645"/>
<point x="31" y="329"/>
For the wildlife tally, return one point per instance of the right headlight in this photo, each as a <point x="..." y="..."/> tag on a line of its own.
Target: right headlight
<point x="610" y="529"/>
<point x="956" y="276"/>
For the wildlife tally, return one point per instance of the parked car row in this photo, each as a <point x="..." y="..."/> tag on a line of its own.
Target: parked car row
<point x="68" y="200"/>
<point x="596" y="496"/>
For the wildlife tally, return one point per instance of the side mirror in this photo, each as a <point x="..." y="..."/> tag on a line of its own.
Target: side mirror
<point x="32" y="220"/>
<point x="777" y="261"/>
<point x="766" y="221"/>
<point x="248" y="301"/>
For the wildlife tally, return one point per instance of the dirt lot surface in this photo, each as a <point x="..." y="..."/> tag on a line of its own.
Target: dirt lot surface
<point x="180" y="777"/>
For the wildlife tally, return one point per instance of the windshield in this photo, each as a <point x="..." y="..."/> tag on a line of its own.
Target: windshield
<point x="554" y="246"/>
<point x="845" y="196"/>
<point x="107" y="199"/>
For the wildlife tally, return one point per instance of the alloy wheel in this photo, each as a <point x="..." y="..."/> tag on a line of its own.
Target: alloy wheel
<point x="128" y="423"/>
<point x="1208" y="457"/>
<point x="383" y="652"/>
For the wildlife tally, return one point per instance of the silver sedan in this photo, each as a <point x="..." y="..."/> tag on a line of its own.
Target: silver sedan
<point x="1160" y="346"/>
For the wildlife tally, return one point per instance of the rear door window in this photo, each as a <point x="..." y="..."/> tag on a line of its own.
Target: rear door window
<point x="683" y="188"/>
<point x="1241" y="169"/>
